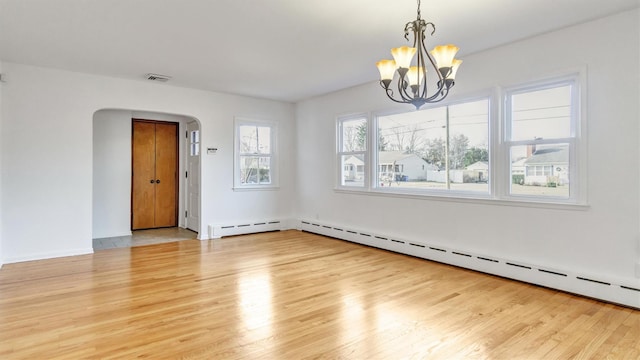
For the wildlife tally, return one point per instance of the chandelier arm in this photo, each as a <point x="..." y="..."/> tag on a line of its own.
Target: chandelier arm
<point x="402" y="89"/>
<point x="433" y="27"/>
<point x="431" y="60"/>
<point x="389" y="91"/>
<point x="442" y="92"/>
<point x="390" y="95"/>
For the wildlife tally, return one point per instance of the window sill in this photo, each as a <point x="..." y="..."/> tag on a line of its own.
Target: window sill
<point x="465" y="197"/>
<point x="256" y="188"/>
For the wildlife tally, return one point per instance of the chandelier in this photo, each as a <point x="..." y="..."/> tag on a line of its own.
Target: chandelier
<point x="412" y="80"/>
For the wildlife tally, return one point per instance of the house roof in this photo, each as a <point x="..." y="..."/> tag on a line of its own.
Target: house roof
<point x="478" y="165"/>
<point x="551" y="155"/>
<point x="355" y="159"/>
<point x="519" y="162"/>
<point x="389" y="157"/>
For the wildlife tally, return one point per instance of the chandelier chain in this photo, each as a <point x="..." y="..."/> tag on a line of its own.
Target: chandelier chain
<point x="419" y="10"/>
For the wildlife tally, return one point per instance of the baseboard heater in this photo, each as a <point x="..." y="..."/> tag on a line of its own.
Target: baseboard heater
<point x="217" y="231"/>
<point x="619" y="291"/>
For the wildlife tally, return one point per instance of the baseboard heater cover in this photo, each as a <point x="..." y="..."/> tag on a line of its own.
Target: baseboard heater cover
<point x="617" y="291"/>
<point x="217" y="231"/>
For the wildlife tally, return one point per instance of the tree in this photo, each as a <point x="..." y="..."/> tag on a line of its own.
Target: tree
<point x="382" y="142"/>
<point x="475" y="154"/>
<point x="355" y="138"/>
<point x="408" y="139"/>
<point x="434" y="152"/>
<point x="361" y="135"/>
<point x="362" y="138"/>
<point x="458" y="145"/>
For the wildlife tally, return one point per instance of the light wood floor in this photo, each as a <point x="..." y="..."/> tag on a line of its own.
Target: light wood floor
<point x="292" y="295"/>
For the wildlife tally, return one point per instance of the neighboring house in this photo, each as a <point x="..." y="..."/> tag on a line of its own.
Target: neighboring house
<point x="440" y="176"/>
<point x="547" y="166"/>
<point x="518" y="166"/>
<point x="477" y="172"/>
<point x="397" y="165"/>
<point x="517" y="171"/>
<point x="474" y="173"/>
<point x="353" y="168"/>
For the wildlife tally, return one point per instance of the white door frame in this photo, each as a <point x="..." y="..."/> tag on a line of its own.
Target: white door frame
<point x="193" y="152"/>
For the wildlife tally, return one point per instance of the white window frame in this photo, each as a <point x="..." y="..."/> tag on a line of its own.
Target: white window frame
<point x="499" y="149"/>
<point x="364" y="153"/>
<point x="575" y="140"/>
<point x="273" y="155"/>
<point x="439" y="193"/>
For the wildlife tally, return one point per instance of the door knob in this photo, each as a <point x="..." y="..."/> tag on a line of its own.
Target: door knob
<point x="158" y="181"/>
<point x="152" y="181"/>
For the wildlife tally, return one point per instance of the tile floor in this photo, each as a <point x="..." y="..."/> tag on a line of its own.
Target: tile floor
<point x="144" y="237"/>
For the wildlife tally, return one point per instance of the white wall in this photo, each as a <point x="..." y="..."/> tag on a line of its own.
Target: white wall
<point x="111" y="173"/>
<point x="47" y="149"/>
<point x="599" y="240"/>
<point x="1" y="206"/>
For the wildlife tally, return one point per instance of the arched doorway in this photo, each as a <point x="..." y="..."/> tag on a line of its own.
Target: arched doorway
<point x="112" y="149"/>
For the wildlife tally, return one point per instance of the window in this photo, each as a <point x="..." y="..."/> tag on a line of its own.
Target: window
<point x="527" y="151"/>
<point x="194" y="143"/>
<point x="255" y="154"/>
<point x="352" y="146"/>
<point x="541" y="138"/>
<point x="443" y="148"/>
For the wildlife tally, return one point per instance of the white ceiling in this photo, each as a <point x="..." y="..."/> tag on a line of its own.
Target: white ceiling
<point x="278" y="49"/>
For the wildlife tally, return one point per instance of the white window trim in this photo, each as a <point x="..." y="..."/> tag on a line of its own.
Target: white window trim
<point x="500" y="167"/>
<point x="237" y="184"/>
<point x="338" y="165"/>
<point x="576" y="141"/>
<point x="488" y="95"/>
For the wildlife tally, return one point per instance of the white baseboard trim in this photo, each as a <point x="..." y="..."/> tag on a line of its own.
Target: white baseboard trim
<point x="217" y="231"/>
<point x="620" y="291"/>
<point x="48" y="255"/>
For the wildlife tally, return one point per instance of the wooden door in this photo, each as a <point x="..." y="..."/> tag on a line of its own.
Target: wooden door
<point x="154" y="175"/>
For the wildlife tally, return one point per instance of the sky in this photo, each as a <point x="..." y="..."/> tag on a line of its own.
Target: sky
<point x="541" y="114"/>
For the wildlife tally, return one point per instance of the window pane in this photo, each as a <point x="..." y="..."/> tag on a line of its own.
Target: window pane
<point x="413" y="148"/>
<point x="248" y="139"/>
<point x="352" y="170"/>
<point x="540" y="170"/>
<point x="195" y="136"/>
<point x="195" y="149"/>
<point x="248" y="169"/>
<point x="264" y="140"/>
<point x="469" y="146"/>
<point x="265" y="170"/>
<point x="542" y="114"/>
<point x="255" y="139"/>
<point x="353" y="135"/>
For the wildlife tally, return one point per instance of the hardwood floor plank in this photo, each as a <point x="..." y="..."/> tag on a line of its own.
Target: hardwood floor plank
<point x="292" y="295"/>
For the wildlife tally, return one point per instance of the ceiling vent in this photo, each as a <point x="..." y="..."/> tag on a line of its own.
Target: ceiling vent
<point x="157" y="77"/>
